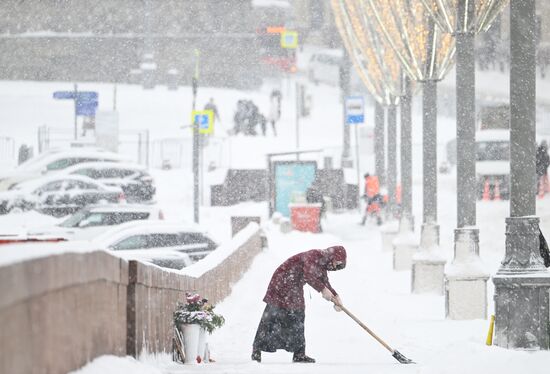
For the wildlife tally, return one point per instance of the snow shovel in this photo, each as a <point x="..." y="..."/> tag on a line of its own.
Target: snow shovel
<point x="395" y="353"/>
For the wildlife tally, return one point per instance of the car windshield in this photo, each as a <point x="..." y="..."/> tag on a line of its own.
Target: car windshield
<point x="75" y="219"/>
<point x="493" y="151"/>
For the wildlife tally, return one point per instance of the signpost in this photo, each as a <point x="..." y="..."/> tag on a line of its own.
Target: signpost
<point x="355" y="115"/>
<point x="85" y="103"/>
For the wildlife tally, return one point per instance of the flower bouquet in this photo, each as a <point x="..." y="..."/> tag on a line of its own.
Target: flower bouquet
<point x="193" y="319"/>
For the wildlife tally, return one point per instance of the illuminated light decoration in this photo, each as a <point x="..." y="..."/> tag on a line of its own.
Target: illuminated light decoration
<point x="445" y="14"/>
<point x="373" y="58"/>
<point x="424" y="50"/>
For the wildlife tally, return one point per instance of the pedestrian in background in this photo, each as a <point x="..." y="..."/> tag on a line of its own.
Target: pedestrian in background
<point x="210" y="105"/>
<point x="274" y="109"/>
<point x="542" y="163"/>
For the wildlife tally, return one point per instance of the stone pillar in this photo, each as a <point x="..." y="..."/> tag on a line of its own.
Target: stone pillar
<point x="404" y="245"/>
<point x="389" y="232"/>
<point x="427" y="263"/>
<point x="522" y="289"/>
<point x="522" y="284"/>
<point x="466" y="279"/>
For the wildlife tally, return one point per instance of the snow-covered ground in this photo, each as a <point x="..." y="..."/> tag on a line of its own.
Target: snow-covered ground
<point x="415" y="325"/>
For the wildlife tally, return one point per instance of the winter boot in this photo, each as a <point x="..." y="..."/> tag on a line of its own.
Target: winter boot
<point x="301" y="357"/>
<point x="257" y="356"/>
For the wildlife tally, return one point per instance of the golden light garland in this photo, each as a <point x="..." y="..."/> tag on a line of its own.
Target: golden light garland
<point x="424" y="50"/>
<point x="479" y="19"/>
<point x="373" y="58"/>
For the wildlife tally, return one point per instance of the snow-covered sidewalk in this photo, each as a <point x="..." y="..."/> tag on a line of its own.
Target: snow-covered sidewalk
<point x="415" y="325"/>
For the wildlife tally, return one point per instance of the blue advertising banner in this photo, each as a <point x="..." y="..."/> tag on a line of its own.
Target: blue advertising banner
<point x="291" y="178"/>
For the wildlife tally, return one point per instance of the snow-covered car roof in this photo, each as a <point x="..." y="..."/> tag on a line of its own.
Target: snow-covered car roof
<point x="150" y="255"/>
<point x="40" y="161"/>
<point x="123" y="208"/>
<point x="38" y="182"/>
<point x="493" y="135"/>
<point x="143" y="228"/>
<point x="103" y="165"/>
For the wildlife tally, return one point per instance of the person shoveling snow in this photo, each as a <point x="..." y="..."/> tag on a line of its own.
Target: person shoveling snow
<point x="282" y="322"/>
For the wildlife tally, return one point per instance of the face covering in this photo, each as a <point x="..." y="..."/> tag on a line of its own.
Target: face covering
<point x="338" y="266"/>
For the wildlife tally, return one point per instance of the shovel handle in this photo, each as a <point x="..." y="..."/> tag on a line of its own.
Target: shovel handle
<point x="366" y="328"/>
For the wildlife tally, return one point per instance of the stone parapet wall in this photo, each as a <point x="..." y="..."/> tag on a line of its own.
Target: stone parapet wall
<point x="59" y="312"/>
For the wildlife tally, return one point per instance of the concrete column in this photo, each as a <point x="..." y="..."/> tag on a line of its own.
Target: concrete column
<point x="404" y="245"/>
<point x="428" y="266"/>
<point x="522" y="284"/>
<point x="379" y="140"/>
<point x="392" y="158"/>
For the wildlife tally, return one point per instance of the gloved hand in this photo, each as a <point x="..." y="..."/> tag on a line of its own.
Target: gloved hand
<point x="337" y="303"/>
<point x="327" y="294"/>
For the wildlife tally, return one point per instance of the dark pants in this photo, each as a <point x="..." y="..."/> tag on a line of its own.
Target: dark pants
<point x="280" y="329"/>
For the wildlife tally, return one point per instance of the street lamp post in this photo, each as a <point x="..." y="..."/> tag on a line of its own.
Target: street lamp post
<point x="379" y="141"/>
<point x="392" y="158"/>
<point x="465" y="277"/>
<point x="425" y="54"/>
<point x="522" y="284"/>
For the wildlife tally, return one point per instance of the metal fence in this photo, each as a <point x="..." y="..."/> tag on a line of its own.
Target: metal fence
<point x="7" y="151"/>
<point x="134" y="144"/>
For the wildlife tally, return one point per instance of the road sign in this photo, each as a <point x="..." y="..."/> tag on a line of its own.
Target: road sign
<point x="205" y="119"/>
<point x="86" y="101"/>
<point x="289" y="39"/>
<point x="355" y="110"/>
<point x="63" y="95"/>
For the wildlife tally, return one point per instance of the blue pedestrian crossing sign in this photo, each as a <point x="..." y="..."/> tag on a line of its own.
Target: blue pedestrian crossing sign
<point x="355" y="110"/>
<point x="289" y="39"/>
<point x="205" y="120"/>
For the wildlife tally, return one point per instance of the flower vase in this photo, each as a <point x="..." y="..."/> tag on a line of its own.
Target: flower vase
<point x="191" y="333"/>
<point x="203" y="344"/>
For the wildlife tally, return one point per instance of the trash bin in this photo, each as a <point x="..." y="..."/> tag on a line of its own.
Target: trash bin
<point x="305" y="217"/>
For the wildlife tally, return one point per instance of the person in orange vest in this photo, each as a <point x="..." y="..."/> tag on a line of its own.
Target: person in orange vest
<point x="372" y="196"/>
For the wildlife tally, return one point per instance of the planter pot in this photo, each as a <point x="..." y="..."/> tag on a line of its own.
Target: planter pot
<point x="203" y="345"/>
<point x="191" y="335"/>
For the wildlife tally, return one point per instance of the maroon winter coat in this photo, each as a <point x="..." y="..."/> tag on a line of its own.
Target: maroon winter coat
<point x="286" y="289"/>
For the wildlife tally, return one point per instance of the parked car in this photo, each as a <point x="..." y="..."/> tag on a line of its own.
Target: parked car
<point x="324" y="66"/>
<point x="147" y="235"/>
<point x="135" y="181"/>
<point x="58" y="195"/>
<point x="53" y="161"/>
<point x="91" y="221"/>
<point x="165" y="258"/>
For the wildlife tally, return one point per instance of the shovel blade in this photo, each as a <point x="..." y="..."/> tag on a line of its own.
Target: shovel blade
<point x="402" y="359"/>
